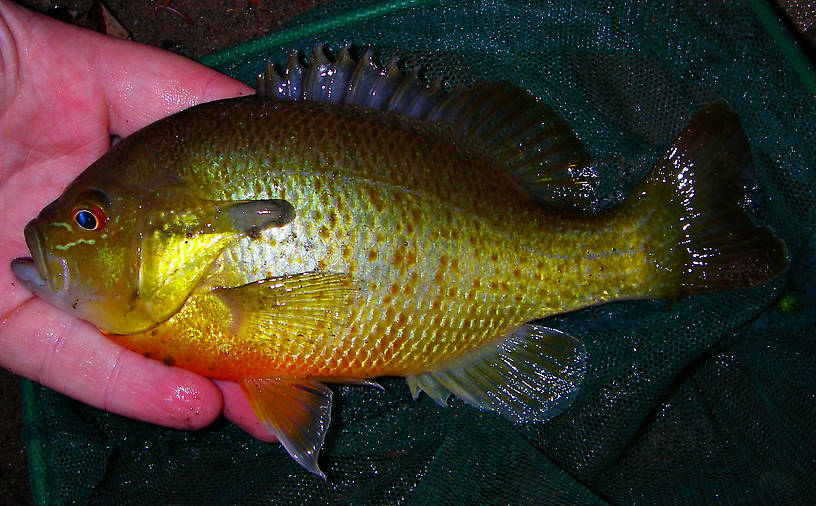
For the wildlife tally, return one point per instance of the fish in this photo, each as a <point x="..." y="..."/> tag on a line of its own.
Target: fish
<point x="350" y="221"/>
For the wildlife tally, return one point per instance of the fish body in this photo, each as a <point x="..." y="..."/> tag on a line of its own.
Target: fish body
<point x="432" y="260"/>
<point x="287" y="243"/>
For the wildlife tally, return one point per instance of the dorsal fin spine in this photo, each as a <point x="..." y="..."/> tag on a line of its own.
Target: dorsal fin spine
<point x="353" y="95"/>
<point x="292" y="77"/>
<point x="313" y="76"/>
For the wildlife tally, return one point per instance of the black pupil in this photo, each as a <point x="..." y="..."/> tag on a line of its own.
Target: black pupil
<point x="86" y="219"/>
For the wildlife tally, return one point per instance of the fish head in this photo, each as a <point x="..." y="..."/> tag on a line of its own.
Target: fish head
<point x="128" y="241"/>
<point x="86" y="255"/>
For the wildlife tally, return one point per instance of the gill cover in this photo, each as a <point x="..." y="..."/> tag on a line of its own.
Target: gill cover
<point x="179" y="249"/>
<point x="126" y="269"/>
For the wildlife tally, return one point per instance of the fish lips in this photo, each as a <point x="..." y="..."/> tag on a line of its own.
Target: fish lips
<point x="32" y="271"/>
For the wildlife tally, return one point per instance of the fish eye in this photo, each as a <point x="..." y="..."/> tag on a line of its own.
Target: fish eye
<point x="91" y="218"/>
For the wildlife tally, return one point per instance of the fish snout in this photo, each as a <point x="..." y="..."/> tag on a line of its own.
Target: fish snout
<point x="33" y="271"/>
<point x="26" y="272"/>
<point x="32" y="239"/>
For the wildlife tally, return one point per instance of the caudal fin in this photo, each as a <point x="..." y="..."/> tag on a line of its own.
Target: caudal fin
<point x="703" y="239"/>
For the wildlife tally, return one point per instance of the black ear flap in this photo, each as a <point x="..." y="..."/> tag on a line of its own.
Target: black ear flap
<point x="253" y="216"/>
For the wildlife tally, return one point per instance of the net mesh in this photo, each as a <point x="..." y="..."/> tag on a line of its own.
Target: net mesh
<point x="699" y="399"/>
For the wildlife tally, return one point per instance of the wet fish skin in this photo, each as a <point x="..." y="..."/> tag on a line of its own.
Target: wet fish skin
<point x="416" y="246"/>
<point x="283" y="244"/>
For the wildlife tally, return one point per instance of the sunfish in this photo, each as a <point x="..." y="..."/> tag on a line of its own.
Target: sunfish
<point x="349" y="222"/>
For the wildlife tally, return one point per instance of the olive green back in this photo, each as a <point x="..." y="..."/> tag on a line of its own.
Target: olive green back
<point x="706" y="398"/>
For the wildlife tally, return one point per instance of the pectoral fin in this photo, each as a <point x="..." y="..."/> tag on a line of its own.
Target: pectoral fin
<point x="296" y="411"/>
<point x="532" y="374"/>
<point x="299" y="305"/>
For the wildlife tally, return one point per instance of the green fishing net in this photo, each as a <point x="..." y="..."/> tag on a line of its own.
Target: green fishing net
<point x="709" y="398"/>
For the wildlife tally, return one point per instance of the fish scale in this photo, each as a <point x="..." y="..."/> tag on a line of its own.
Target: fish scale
<point x="306" y="235"/>
<point x="460" y="272"/>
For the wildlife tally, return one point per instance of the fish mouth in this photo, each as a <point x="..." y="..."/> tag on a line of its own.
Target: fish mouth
<point x="32" y="271"/>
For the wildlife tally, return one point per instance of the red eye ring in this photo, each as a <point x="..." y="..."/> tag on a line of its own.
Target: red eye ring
<point x="90" y="218"/>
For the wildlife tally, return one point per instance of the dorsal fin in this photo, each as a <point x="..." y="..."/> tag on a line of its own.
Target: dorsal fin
<point x="535" y="145"/>
<point x="348" y="81"/>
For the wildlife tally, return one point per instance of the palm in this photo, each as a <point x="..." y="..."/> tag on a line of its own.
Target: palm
<point x="64" y="92"/>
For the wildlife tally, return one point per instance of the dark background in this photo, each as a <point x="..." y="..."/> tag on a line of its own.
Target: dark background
<point x="195" y="28"/>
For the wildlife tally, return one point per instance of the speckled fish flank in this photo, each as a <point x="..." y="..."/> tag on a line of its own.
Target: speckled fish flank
<point x="349" y="222"/>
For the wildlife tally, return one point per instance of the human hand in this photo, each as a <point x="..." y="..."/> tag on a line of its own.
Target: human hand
<point x="64" y="91"/>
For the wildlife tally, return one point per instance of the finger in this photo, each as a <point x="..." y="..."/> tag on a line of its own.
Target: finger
<point x="142" y="84"/>
<point x="237" y="410"/>
<point x="49" y="108"/>
<point x="72" y="357"/>
<point x="138" y="84"/>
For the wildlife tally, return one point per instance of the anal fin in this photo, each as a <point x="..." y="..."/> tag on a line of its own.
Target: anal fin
<point x="532" y="374"/>
<point x="296" y="411"/>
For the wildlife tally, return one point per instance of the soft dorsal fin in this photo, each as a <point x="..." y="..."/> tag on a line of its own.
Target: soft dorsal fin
<point x="534" y="144"/>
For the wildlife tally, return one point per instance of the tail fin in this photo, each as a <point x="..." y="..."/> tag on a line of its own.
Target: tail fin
<point x="707" y="241"/>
